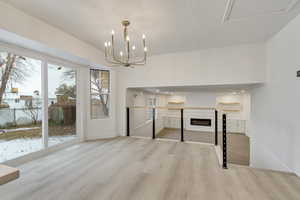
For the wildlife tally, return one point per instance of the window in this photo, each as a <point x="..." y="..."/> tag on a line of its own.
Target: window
<point x="100" y="93"/>
<point x="62" y="104"/>
<point x="20" y="106"/>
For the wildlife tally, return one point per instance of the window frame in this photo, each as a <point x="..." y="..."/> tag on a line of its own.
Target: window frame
<point x="77" y="90"/>
<point x="109" y="94"/>
<point x="45" y="59"/>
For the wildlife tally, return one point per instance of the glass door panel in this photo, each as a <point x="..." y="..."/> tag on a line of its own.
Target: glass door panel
<point x="20" y="106"/>
<point x="62" y="104"/>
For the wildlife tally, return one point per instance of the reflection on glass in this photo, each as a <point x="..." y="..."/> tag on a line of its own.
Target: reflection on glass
<point x="20" y="106"/>
<point x="100" y="89"/>
<point x="62" y="104"/>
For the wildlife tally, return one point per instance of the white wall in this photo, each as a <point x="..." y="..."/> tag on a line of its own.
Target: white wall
<point x="200" y="99"/>
<point x="229" y="65"/>
<point x="275" y="121"/>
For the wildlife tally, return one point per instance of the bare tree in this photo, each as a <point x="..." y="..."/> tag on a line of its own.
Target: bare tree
<point x="66" y="90"/>
<point x="69" y="74"/>
<point x="32" y="107"/>
<point x="13" y="68"/>
<point x="98" y="89"/>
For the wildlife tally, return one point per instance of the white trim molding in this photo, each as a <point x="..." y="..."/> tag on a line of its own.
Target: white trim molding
<point x="45" y="103"/>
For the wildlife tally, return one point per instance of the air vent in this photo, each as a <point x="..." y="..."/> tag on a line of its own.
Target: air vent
<point x="241" y="9"/>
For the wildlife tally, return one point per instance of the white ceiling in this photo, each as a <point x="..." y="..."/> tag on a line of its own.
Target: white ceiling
<point x="170" y="25"/>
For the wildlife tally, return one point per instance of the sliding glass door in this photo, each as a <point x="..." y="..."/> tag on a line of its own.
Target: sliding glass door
<point x="62" y="104"/>
<point x="27" y="88"/>
<point x="20" y="106"/>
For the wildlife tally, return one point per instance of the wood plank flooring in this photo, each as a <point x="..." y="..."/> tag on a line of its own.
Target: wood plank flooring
<point x="8" y="174"/>
<point x="238" y="145"/>
<point x="129" y="168"/>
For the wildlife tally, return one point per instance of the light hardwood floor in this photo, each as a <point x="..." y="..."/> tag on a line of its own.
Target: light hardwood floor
<point x="238" y="145"/>
<point x="129" y="168"/>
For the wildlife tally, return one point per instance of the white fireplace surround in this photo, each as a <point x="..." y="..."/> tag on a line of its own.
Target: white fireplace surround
<point x="201" y="115"/>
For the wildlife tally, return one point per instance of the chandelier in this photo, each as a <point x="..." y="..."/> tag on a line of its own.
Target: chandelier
<point x="127" y="57"/>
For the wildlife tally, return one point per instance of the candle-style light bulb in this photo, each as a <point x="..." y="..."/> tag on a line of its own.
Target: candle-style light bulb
<point x="133" y="47"/>
<point x="144" y="40"/>
<point x="127" y="38"/>
<point x="112" y="32"/>
<point x="105" y="44"/>
<point x="121" y="53"/>
<point x="145" y="49"/>
<point x="109" y="44"/>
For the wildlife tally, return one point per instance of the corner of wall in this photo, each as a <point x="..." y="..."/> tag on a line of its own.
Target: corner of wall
<point x="262" y="157"/>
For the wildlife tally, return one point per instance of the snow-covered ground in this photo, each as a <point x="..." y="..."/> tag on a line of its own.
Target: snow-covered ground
<point x="20" y="147"/>
<point x="17" y="129"/>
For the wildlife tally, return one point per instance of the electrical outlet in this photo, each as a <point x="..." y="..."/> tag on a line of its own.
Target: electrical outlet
<point x="298" y="73"/>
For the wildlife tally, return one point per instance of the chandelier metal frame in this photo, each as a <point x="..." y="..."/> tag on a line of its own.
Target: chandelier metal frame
<point x="126" y="58"/>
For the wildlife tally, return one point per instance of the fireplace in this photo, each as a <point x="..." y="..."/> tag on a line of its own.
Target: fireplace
<point x="200" y="122"/>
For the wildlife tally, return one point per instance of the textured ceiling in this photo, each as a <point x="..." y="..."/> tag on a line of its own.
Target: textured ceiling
<point x="170" y="25"/>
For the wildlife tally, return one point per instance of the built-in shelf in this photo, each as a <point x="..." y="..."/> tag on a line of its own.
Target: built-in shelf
<point x="230" y="106"/>
<point x="227" y="110"/>
<point x="229" y="103"/>
<point x="176" y="102"/>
